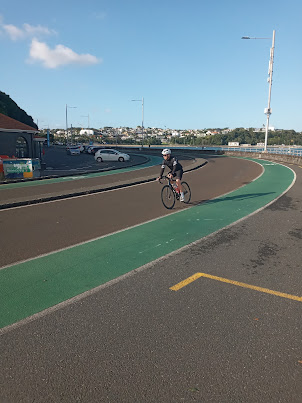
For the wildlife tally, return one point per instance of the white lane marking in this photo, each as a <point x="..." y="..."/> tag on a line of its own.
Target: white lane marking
<point x="153" y="247"/>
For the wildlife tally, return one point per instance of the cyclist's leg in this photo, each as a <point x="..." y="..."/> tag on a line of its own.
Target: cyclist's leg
<point x="178" y="177"/>
<point x="171" y="178"/>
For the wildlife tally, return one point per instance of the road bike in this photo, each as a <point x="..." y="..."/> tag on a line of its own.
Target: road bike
<point x="170" y="193"/>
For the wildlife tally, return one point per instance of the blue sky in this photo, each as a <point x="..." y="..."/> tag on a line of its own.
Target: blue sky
<point x="185" y="58"/>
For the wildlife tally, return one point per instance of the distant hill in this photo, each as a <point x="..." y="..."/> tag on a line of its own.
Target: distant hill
<point x="9" y="108"/>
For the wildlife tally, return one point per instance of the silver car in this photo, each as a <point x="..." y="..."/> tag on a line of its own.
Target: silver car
<point x="111" y="155"/>
<point x="73" y="150"/>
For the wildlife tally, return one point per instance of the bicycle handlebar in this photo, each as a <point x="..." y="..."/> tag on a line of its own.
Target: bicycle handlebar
<point x="167" y="178"/>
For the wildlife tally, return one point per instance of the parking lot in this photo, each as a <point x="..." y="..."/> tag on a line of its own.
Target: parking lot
<point x="58" y="162"/>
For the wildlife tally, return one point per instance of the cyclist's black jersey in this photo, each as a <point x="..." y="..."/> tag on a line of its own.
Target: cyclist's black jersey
<point x="172" y="164"/>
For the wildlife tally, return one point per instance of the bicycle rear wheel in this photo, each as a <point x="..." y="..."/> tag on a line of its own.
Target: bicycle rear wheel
<point x="187" y="192"/>
<point x="167" y="197"/>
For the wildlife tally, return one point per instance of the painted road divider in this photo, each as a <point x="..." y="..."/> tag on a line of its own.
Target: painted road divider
<point x="196" y="276"/>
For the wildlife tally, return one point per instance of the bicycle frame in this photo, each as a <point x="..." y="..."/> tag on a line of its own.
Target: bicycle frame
<point x="175" y="191"/>
<point x="171" y="183"/>
<point x="174" y="188"/>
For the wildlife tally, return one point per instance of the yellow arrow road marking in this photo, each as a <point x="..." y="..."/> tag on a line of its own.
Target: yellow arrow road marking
<point x="225" y="280"/>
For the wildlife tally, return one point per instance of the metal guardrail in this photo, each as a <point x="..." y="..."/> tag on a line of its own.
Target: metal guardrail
<point x="285" y="150"/>
<point x="295" y="151"/>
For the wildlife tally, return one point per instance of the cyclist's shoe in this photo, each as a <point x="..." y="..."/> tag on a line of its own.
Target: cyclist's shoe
<point x="182" y="198"/>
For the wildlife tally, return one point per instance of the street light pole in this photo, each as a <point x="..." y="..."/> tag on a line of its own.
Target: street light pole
<point x="86" y="116"/>
<point x="142" y="100"/>
<point x="268" y="110"/>
<point x="66" y="120"/>
<point x="270" y="80"/>
<point x="143" y="122"/>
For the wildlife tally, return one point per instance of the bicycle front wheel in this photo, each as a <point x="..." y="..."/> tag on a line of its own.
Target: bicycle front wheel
<point x="187" y="192"/>
<point x="167" y="197"/>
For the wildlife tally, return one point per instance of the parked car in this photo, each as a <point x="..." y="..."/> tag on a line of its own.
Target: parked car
<point x="111" y="155"/>
<point x="73" y="150"/>
<point x="86" y="147"/>
<point x="93" y="149"/>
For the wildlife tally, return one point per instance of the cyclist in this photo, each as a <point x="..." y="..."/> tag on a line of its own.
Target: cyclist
<point x="176" y="170"/>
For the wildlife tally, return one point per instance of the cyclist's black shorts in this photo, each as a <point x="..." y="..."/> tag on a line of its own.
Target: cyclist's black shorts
<point x="178" y="174"/>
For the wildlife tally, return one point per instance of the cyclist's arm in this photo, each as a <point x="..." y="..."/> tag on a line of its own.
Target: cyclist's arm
<point x="162" y="171"/>
<point x="175" y="163"/>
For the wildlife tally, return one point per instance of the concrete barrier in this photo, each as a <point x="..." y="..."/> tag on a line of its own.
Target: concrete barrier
<point x="291" y="159"/>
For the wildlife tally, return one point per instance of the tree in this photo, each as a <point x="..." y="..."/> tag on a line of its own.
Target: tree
<point x="9" y="108"/>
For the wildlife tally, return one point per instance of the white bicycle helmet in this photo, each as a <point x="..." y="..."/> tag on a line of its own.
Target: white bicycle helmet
<point x="166" y="151"/>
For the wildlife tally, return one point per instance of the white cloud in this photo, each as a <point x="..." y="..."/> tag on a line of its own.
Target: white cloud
<point x="27" y="31"/>
<point x="59" y="56"/>
<point x="13" y="32"/>
<point x="39" y="29"/>
<point x="40" y="52"/>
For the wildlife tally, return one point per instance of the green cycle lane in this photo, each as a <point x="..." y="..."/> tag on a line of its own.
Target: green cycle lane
<point x="153" y="160"/>
<point x="32" y="286"/>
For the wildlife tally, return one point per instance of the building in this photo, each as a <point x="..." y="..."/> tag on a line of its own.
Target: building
<point x="87" y="132"/>
<point x="17" y="139"/>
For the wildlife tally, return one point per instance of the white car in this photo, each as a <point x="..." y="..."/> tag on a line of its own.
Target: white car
<point x="89" y="149"/>
<point x="93" y="149"/>
<point x="111" y="155"/>
<point x="73" y="150"/>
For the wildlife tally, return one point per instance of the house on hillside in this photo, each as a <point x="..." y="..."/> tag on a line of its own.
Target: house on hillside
<point x="87" y="132"/>
<point x="17" y="138"/>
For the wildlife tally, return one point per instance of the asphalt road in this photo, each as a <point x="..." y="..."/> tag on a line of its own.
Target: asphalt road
<point x="57" y="225"/>
<point x="139" y="169"/>
<point x="137" y="340"/>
